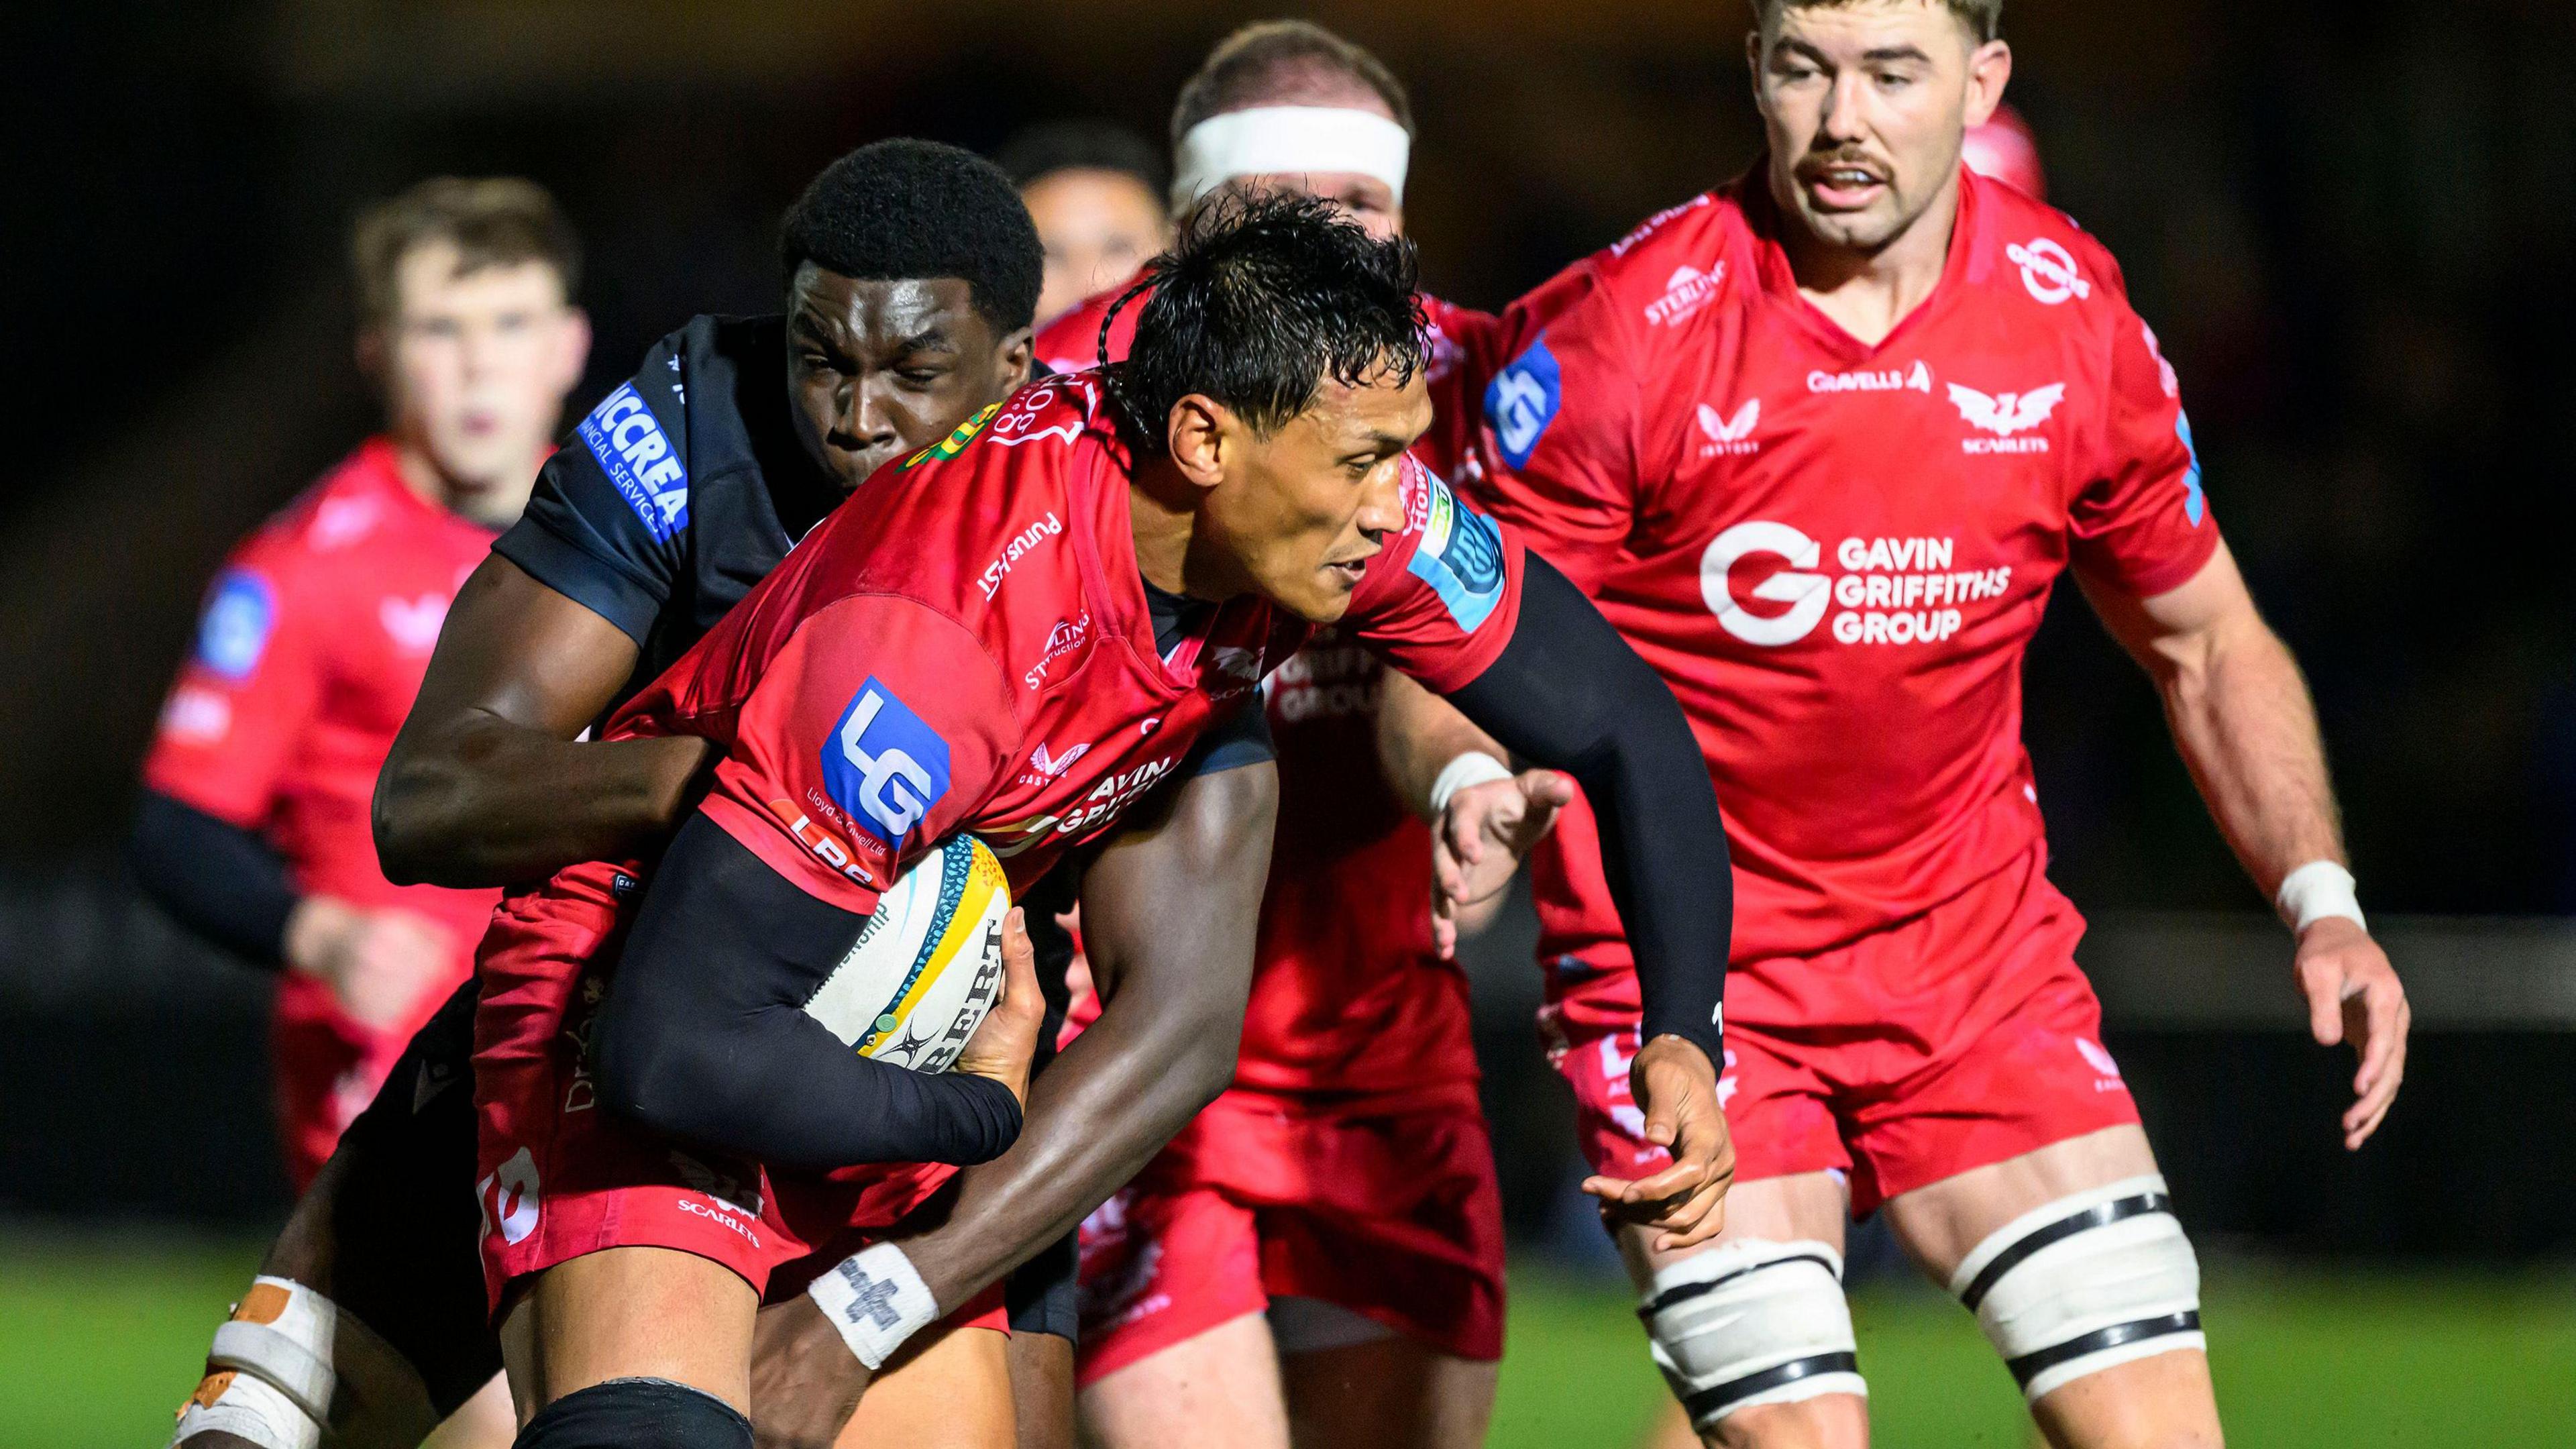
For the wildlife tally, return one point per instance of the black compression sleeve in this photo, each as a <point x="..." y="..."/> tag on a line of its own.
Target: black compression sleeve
<point x="704" y="1036"/>
<point x="1569" y="694"/>
<point x="215" y="878"/>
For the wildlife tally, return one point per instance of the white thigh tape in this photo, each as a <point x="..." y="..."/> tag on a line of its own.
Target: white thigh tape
<point x="2089" y="1281"/>
<point x="332" y="1368"/>
<point x="252" y="1409"/>
<point x="1288" y="140"/>
<point x="876" y="1300"/>
<point x="1752" y="1322"/>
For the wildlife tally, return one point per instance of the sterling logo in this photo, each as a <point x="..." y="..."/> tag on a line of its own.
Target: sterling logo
<point x="1685" y="292"/>
<point x="1733" y="435"/>
<point x="1805" y="593"/>
<point x="1895" y="379"/>
<point x="2005" y="414"/>
<point x="2048" y="271"/>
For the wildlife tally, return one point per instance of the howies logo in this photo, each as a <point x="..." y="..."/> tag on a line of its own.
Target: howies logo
<point x="956" y="441"/>
<point x="1730" y="435"/>
<point x="2005" y="414"/>
<point x="628" y="441"/>
<point x="1894" y="379"/>
<point x="1894" y="590"/>
<point x="2048" y="271"/>
<point x="1018" y="548"/>
<point x="884" y="765"/>
<point x="1685" y="292"/>
<point x="1522" y="400"/>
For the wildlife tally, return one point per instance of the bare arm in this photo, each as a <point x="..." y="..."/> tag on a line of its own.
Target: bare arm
<point x="1478" y="844"/>
<point x="2246" y="727"/>
<point x="485" y="785"/>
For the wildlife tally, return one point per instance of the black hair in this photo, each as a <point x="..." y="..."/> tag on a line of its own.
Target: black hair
<point x="1053" y="146"/>
<point x="1260" y="299"/>
<point x="907" y="208"/>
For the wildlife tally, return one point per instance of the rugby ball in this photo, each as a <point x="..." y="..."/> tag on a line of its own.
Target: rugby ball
<point x="927" y="965"/>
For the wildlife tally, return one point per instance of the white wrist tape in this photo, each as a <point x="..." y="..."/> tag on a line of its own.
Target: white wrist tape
<point x="876" y="1300"/>
<point x="1291" y="141"/>
<point x="1472" y="767"/>
<point x="2315" y="891"/>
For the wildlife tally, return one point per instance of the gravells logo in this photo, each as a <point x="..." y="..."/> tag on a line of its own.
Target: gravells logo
<point x="640" y="462"/>
<point x="1767" y="586"/>
<point x="1522" y="400"/>
<point x="884" y="765"/>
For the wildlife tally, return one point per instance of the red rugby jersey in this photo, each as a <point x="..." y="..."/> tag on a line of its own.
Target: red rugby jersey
<point x="1835" y="553"/>
<point x="308" y="655"/>
<point x="966" y="646"/>
<point x="1348" y="995"/>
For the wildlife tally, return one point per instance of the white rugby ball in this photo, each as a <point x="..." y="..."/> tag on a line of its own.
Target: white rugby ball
<point x="927" y="965"/>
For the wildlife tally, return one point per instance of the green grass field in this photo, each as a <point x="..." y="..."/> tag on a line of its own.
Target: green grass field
<point x="98" y="1343"/>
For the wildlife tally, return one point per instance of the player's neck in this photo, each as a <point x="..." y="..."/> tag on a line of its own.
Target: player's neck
<point x="1163" y="517"/>
<point x="1868" y="292"/>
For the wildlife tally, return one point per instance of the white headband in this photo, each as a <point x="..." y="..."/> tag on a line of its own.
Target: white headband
<point x="1274" y="140"/>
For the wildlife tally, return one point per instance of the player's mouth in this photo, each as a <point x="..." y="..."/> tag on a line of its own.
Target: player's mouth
<point x="1349" y="573"/>
<point x="478" y="423"/>
<point x="1842" y="185"/>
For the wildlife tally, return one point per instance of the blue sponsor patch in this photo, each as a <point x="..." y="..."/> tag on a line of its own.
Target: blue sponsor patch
<point x="885" y="766"/>
<point x="2195" y="503"/>
<point x="1461" y="558"/>
<point x="240" y="614"/>
<point x="1522" y="400"/>
<point x="640" y="462"/>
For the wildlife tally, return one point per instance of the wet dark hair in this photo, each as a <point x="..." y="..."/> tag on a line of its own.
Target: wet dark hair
<point x="905" y="208"/>
<point x="1260" y="299"/>
<point x="1052" y="146"/>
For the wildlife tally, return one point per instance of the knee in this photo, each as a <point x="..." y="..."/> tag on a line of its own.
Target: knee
<point x="1831" y="1421"/>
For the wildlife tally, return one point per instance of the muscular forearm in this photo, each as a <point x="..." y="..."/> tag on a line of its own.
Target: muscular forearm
<point x="1418" y="734"/>
<point x="486" y="802"/>
<point x="2247" y="728"/>
<point x="1169" y="917"/>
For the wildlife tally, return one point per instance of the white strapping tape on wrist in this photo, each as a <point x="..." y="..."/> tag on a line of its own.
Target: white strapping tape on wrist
<point x="2315" y="891"/>
<point x="876" y="1300"/>
<point x="1471" y="767"/>
<point x="1288" y="140"/>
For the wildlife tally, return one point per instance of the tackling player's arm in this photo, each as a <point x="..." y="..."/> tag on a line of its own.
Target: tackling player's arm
<point x="2245" y="724"/>
<point x="485" y="784"/>
<point x="1174" y="969"/>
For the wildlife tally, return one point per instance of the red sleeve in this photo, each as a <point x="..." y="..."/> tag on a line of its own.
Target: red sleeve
<point x="877" y="729"/>
<point x="231" y="726"/>
<point x="1444" y="597"/>
<point x="1562" y="418"/>
<point x="2140" y="521"/>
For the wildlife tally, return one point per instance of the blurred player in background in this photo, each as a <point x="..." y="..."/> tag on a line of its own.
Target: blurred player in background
<point x="1319" y="1257"/>
<point x="253" y="829"/>
<point x="1095" y="191"/>
<point x="1820" y="442"/>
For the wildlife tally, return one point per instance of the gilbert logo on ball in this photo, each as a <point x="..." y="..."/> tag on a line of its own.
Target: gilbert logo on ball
<point x="928" y="964"/>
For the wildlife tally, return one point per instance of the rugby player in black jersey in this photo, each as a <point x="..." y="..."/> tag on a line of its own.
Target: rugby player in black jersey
<point x="912" y="272"/>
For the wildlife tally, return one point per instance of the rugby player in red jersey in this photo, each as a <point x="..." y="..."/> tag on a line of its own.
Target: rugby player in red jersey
<point x="1095" y="191"/>
<point x="1319" y="1256"/>
<point x="1819" y="443"/>
<point x="1032" y="586"/>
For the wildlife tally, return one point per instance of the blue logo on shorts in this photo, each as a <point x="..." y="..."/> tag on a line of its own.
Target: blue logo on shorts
<point x="234" y="632"/>
<point x="1522" y="400"/>
<point x="884" y="765"/>
<point x="1461" y="558"/>
<point x="640" y="462"/>
<point x="2195" y="502"/>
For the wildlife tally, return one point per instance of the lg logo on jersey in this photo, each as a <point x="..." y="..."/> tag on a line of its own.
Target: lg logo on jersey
<point x="884" y="765"/>
<point x="1896" y="590"/>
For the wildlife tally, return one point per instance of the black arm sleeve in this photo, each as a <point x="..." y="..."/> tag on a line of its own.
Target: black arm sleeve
<point x="704" y="1035"/>
<point x="1569" y="694"/>
<point x="215" y="878"/>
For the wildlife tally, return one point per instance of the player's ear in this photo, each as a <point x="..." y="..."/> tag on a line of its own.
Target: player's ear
<point x="1989" y="71"/>
<point x="1011" y="359"/>
<point x="1197" y="437"/>
<point x="572" y="344"/>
